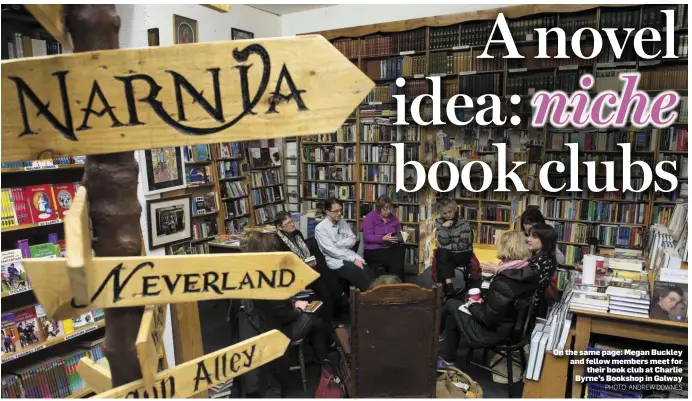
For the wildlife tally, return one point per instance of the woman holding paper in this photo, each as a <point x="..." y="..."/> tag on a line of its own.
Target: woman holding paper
<point x="483" y="322"/>
<point x="326" y="287"/>
<point x="382" y="239"/>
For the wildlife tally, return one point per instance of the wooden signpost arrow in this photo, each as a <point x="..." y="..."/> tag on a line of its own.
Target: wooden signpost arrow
<point x="120" y="100"/>
<point x="107" y="103"/>
<point x="189" y="378"/>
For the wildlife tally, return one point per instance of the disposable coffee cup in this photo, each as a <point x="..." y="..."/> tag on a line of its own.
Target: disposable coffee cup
<point x="475" y="294"/>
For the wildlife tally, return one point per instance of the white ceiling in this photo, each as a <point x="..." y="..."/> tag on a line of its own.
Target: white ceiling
<point x="281" y="9"/>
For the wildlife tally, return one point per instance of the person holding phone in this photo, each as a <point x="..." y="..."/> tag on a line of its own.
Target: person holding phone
<point x="382" y="239"/>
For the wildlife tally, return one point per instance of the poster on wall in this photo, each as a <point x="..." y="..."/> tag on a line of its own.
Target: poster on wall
<point x="161" y="170"/>
<point x="153" y="36"/>
<point x="184" y="30"/>
<point x="239" y="34"/>
<point x="169" y="220"/>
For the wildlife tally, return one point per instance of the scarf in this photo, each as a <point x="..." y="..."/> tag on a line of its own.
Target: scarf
<point x="301" y="249"/>
<point x="512" y="264"/>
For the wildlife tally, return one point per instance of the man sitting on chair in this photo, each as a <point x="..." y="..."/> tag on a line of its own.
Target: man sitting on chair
<point x="335" y="239"/>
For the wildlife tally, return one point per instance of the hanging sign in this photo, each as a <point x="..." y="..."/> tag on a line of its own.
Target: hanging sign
<point x="121" y="100"/>
<point x="192" y="377"/>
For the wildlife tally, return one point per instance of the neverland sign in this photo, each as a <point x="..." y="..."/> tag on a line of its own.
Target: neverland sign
<point x="119" y="100"/>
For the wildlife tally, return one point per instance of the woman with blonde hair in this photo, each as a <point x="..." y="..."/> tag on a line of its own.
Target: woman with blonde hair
<point x="485" y="322"/>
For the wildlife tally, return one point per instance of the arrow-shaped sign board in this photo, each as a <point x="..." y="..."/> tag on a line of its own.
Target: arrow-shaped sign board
<point x="189" y="378"/>
<point x="114" y="282"/>
<point x="148" y="343"/>
<point x="120" y="100"/>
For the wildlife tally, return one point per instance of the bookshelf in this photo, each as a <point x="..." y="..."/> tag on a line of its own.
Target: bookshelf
<point x="231" y="165"/>
<point x="447" y="46"/>
<point x="266" y="181"/>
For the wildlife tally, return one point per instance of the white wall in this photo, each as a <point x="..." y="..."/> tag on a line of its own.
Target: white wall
<point x="348" y="15"/>
<point x="211" y="25"/>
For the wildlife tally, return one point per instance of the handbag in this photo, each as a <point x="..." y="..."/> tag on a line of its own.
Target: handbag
<point x="331" y="386"/>
<point x="445" y="387"/>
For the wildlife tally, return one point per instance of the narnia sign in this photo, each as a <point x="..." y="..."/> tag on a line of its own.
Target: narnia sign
<point x="120" y="100"/>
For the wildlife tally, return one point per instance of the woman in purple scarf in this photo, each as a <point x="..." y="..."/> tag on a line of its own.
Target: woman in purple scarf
<point x="380" y="243"/>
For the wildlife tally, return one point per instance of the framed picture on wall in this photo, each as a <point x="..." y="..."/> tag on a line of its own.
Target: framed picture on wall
<point x="184" y="30"/>
<point x="168" y="220"/>
<point x="153" y="36"/>
<point x="162" y="170"/>
<point x="239" y="34"/>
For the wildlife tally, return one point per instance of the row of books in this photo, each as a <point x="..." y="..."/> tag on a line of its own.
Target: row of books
<point x="233" y="189"/>
<point x="196" y="153"/>
<point x="204" y="229"/>
<point x="46" y="163"/>
<point x="378" y="132"/>
<point x="263" y="178"/>
<point x="329" y="153"/>
<point x="330" y="173"/>
<point x="199" y="175"/>
<point x="54" y="377"/>
<point x="231" y="169"/>
<point x="265" y="215"/>
<point x="36" y="203"/>
<point x="672" y="138"/>
<point x="529" y="84"/>
<point x="26" y="327"/>
<point x="378" y="174"/>
<point x="230" y="150"/>
<point x="496" y="213"/>
<point x="324" y="190"/>
<point x="468" y="212"/>
<point x="664" y="79"/>
<point x="237" y="225"/>
<point x="204" y="204"/>
<point x="26" y="46"/>
<point x="344" y="134"/>
<point x="237" y="207"/>
<point x="371" y="192"/>
<point x="481" y="84"/>
<point x="596" y="211"/>
<point x="599" y="140"/>
<point x="381" y="45"/>
<point x="261" y="196"/>
<point x="586" y="193"/>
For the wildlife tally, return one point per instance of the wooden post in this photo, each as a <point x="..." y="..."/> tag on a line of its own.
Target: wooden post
<point x="111" y="180"/>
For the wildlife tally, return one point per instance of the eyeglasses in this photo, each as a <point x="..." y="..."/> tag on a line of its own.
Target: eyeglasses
<point x="338" y="211"/>
<point x="288" y="222"/>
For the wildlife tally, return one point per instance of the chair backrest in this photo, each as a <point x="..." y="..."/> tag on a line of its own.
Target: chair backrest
<point x="394" y="340"/>
<point x="523" y="325"/>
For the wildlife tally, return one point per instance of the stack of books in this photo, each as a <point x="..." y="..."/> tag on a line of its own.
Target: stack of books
<point x="629" y="298"/>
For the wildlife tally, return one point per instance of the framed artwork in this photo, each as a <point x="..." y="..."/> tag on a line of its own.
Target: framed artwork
<point x="162" y="170"/>
<point x="153" y="36"/>
<point x="184" y="30"/>
<point x="168" y="220"/>
<point x="238" y="34"/>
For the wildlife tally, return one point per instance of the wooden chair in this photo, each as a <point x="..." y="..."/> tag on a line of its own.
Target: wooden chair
<point x="391" y="347"/>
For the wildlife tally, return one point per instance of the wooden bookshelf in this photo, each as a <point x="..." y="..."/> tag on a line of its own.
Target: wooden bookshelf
<point x="267" y="192"/>
<point x="230" y="164"/>
<point x="447" y="46"/>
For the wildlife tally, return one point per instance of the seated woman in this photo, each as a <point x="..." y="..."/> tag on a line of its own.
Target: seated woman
<point x="381" y="246"/>
<point x="326" y="287"/>
<point x="491" y="319"/>
<point x="530" y="218"/>
<point x="455" y="239"/>
<point x="285" y="315"/>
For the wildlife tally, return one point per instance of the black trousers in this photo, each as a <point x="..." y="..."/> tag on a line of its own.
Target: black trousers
<point x="313" y="329"/>
<point x="451" y="328"/>
<point x="447" y="260"/>
<point x="391" y="259"/>
<point x="328" y="290"/>
<point x="359" y="278"/>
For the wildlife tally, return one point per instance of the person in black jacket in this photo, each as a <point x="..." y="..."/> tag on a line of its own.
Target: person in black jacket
<point x="326" y="287"/>
<point x="284" y="315"/>
<point x="491" y="319"/>
<point x="455" y="244"/>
